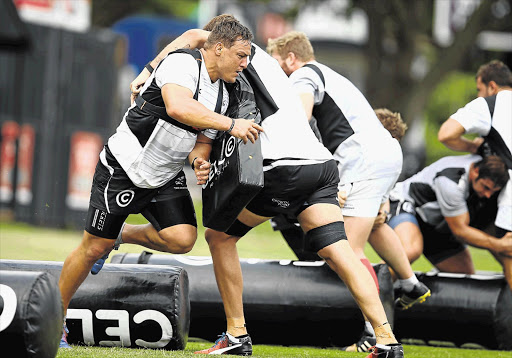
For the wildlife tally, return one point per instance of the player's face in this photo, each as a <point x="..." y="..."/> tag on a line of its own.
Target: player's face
<point x="282" y="63"/>
<point x="233" y="60"/>
<point x="482" y="89"/>
<point x="485" y="187"/>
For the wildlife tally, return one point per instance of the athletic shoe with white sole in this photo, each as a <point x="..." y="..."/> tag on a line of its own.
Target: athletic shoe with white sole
<point x="64" y="340"/>
<point x="227" y="344"/>
<point x="364" y="343"/>
<point x="419" y="294"/>
<point x="387" y="351"/>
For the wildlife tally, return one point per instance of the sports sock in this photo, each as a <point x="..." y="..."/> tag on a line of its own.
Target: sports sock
<point x="387" y="347"/>
<point x="369" y="328"/>
<point x="408" y="284"/>
<point x="119" y="239"/>
<point x="236" y="338"/>
<point x="369" y="266"/>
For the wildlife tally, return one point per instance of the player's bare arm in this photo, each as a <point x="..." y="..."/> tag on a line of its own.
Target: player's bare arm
<point x="194" y="38"/>
<point x="181" y="105"/>
<point x="308" y="103"/>
<point x="451" y="135"/>
<point x="459" y="225"/>
<point x="199" y="156"/>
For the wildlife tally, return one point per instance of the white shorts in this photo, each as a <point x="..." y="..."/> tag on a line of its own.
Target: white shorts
<point x="504" y="216"/>
<point x="364" y="198"/>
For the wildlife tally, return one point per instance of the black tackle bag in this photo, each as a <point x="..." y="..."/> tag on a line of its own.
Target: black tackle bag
<point x="236" y="173"/>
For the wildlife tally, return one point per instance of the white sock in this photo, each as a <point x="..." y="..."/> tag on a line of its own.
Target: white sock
<point x="369" y="328"/>
<point x="383" y="347"/>
<point x="408" y="284"/>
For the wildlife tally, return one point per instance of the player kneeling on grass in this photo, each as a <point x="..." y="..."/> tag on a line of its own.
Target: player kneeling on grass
<point x="448" y="205"/>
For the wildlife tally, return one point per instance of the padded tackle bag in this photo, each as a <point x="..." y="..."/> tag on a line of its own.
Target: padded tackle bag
<point x="236" y="173"/>
<point x="31" y="314"/>
<point x="285" y="302"/>
<point x="138" y="306"/>
<point x="463" y="309"/>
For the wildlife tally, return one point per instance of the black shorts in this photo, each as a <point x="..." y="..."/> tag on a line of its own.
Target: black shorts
<point x="437" y="245"/>
<point x="114" y="197"/>
<point x="292" y="189"/>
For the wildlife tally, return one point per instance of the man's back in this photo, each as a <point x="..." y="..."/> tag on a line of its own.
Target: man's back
<point x="348" y="124"/>
<point x="439" y="190"/>
<point x="490" y="117"/>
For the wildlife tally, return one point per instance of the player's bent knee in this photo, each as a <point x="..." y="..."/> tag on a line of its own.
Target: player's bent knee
<point x="183" y="247"/>
<point x="94" y="249"/>
<point x="179" y="240"/>
<point x="213" y="236"/>
<point x="413" y="253"/>
<point x="325" y="235"/>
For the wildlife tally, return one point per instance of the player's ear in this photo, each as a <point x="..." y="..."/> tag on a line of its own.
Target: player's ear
<point x="218" y="48"/>
<point x="290" y="59"/>
<point x="493" y="87"/>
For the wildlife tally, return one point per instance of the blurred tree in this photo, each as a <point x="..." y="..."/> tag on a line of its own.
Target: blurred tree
<point x="405" y="61"/>
<point x="401" y="41"/>
<point x="107" y="12"/>
<point x="453" y="92"/>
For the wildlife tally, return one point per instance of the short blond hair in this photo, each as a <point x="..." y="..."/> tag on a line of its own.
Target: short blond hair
<point x="392" y="121"/>
<point x="293" y="41"/>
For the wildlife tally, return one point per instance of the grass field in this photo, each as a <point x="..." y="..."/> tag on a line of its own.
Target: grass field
<point x="24" y="242"/>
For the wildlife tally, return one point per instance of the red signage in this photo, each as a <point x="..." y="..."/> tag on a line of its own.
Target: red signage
<point x="83" y="157"/>
<point x="10" y="133"/>
<point x="25" y="164"/>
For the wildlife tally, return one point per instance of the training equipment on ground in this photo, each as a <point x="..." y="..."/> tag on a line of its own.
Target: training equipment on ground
<point x="285" y="302"/>
<point x="31" y="314"/>
<point x="463" y="309"/>
<point x="124" y="305"/>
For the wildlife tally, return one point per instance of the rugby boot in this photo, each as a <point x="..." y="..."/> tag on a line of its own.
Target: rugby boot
<point x="364" y="344"/>
<point x="64" y="339"/>
<point x="387" y="351"/>
<point x="227" y="344"/>
<point x="419" y="294"/>
<point x="98" y="265"/>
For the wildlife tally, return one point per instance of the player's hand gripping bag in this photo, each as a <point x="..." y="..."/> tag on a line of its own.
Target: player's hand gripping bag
<point x="236" y="173"/>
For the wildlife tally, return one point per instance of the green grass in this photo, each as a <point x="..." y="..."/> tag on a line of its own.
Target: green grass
<point x="264" y="351"/>
<point x="25" y="242"/>
<point x="20" y="241"/>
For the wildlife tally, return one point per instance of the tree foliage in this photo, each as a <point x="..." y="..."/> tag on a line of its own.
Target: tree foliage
<point x="400" y="41"/>
<point x="106" y="12"/>
<point x="400" y="35"/>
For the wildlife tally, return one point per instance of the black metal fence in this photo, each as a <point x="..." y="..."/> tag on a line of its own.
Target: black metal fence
<point x="59" y="102"/>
